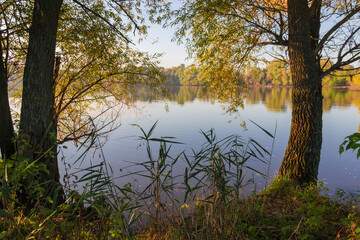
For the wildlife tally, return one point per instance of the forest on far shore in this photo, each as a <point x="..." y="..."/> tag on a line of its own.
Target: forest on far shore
<point x="276" y="73"/>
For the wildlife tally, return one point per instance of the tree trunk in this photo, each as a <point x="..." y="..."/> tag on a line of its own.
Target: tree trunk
<point x="302" y="156"/>
<point x="37" y="123"/>
<point x="6" y="125"/>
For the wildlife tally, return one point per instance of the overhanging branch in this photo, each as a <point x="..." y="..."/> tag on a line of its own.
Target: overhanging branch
<point x="336" y="27"/>
<point x="102" y="18"/>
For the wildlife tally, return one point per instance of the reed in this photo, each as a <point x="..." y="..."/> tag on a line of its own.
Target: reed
<point x="213" y="207"/>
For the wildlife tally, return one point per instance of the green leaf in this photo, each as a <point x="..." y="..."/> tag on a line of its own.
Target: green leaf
<point x="3" y="234"/>
<point x="264" y="130"/>
<point x="351" y="142"/>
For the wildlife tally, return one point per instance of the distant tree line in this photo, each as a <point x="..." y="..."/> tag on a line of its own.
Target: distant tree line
<point x="275" y="73"/>
<point x="182" y="75"/>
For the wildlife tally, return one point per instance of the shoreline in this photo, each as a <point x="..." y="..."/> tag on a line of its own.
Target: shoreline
<point x="349" y="87"/>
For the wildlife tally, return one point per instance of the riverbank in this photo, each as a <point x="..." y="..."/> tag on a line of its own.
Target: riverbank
<point x="281" y="212"/>
<point x="350" y="87"/>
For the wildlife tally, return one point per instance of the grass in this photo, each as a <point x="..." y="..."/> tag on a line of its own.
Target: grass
<point x="281" y="212"/>
<point x="103" y="210"/>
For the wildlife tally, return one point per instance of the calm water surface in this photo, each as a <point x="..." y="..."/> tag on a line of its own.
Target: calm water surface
<point x="186" y="113"/>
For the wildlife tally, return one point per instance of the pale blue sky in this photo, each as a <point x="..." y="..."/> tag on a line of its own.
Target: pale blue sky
<point x="159" y="41"/>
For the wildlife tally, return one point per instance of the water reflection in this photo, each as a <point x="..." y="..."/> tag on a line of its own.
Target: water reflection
<point x="191" y="110"/>
<point x="178" y="94"/>
<point x="275" y="99"/>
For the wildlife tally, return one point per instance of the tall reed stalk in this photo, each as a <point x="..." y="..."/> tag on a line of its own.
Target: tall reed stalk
<point x="158" y="169"/>
<point x="215" y="175"/>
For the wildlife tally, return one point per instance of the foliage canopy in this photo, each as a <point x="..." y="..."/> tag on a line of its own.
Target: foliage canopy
<point x="226" y="36"/>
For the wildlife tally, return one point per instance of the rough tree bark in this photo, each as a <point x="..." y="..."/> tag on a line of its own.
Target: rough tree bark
<point x="302" y="155"/>
<point x="37" y="123"/>
<point x="6" y="126"/>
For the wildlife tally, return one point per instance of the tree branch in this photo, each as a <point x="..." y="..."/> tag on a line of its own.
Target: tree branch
<point x="336" y="27"/>
<point x="102" y="18"/>
<point x="127" y="14"/>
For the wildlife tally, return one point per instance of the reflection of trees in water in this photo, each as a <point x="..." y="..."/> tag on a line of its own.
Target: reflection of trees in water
<point x="179" y="94"/>
<point x="340" y="97"/>
<point x="185" y="94"/>
<point x="275" y="99"/>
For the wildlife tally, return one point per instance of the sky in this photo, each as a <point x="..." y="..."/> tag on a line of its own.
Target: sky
<point x="158" y="40"/>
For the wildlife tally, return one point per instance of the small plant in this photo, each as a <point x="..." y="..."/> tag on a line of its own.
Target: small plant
<point x="216" y="176"/>
<point x="15" y="176"/>
<point x="219" y="166"/>
<point x="352" y="229"/>
<point x="158" y="169"/>
<point x="100" y="196"/>
<point x="351" y="142"/>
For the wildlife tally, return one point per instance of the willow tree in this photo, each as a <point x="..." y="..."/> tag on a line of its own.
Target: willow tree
<point x="95" y="57"/>
<point x="37" y="123"/>
<point x="75" y="52"/>
<point x="226" y="36"/>
<point x="99" y="65"/>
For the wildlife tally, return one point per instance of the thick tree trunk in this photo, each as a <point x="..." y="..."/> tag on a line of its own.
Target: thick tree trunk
<point x="6" y="125"/>
<point x="302" y="156"/>
<point x="37" y="123"/>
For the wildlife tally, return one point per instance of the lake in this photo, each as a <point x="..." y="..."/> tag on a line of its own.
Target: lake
<point x="187" y="111"/>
